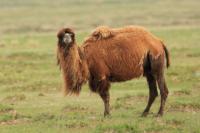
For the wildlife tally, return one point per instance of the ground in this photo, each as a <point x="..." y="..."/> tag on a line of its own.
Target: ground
<point x="31" y="98"/>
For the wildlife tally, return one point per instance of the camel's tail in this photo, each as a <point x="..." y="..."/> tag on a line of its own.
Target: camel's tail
<point x="166" y="55"/>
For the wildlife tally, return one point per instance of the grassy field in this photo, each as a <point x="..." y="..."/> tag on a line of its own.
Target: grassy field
<point x="31" y="99"/>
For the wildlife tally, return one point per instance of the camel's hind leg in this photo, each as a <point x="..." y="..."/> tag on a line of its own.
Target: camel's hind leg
<point x="153" y="93"/>
<point x="161" y="84"/>
<point x="151" y="80"/>
<point x="163" y="92"/>
<point x="154" y="71"/>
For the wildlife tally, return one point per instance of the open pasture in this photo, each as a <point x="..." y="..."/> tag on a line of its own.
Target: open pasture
<point x="31" y="99"/>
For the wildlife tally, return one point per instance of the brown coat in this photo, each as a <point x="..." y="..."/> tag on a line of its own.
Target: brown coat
<point x="118" y="54"/>
<point x="113" y="55"/>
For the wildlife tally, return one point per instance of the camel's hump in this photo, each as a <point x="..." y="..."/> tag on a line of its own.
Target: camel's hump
<point x="104" y="32"/>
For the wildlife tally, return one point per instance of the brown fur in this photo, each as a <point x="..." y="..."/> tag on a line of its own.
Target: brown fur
<point x="73" y="66"/>
<point x="115" y="55"/>
<point x="120" y="54"/>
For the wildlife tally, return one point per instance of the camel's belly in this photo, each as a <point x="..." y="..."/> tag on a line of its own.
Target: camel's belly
<point x="125" y="72"/>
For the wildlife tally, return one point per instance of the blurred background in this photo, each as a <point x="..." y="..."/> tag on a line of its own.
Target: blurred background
<point x="19" y="16"/>
<point x="31" y="97"/>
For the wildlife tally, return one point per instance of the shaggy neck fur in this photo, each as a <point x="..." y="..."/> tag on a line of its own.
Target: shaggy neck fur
<point x="74" y="68"/>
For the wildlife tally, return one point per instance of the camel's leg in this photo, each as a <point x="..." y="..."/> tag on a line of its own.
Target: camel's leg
<point x="163" y="93"/>
<point x="153" y="93"/>
<point x="104" y="93"/>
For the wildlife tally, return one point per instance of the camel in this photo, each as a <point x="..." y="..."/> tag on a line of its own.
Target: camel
<point x="113" y="55"/>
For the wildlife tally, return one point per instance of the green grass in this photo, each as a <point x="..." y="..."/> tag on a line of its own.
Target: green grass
<point x="31" y="99"/>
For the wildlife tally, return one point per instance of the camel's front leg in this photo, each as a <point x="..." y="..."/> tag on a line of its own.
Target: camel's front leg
<point x="106" y="98"/>
<point x="105" y="95"/>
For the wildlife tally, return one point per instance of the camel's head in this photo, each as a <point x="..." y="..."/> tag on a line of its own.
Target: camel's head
<point x="66" y="37"/>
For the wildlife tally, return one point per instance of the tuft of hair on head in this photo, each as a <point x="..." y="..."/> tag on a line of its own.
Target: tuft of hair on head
<point x="102" y="32"/>
<point x="62" y="31"/>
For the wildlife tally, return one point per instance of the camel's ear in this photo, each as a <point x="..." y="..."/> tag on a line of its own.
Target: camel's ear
<point x="60" y="34"/>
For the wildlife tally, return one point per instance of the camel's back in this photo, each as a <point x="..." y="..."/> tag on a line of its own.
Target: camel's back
<point x="136" y="36"/>
<point x="122" y="54"/>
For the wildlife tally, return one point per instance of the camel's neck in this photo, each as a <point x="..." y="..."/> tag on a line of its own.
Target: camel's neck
<point x="74" y="68"/>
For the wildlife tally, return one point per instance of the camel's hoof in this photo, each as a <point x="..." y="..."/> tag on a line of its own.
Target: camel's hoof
<point x="159" y="115"/>
<point x="144" y="114"/>
<point x="106" y="115"/>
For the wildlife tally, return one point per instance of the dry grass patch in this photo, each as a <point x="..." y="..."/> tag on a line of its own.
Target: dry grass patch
<point x="14" y="98"/>
<point x="185" y="107"/>
<point x="129" y="101"/>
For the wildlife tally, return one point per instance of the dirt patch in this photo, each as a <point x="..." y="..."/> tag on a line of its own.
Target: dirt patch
<point x="76" y="125"/>
<point x="2" y="45"/>
<point x="129" y="101"/>
<point x="14" y="98"/>
<point x="175" y="123"/>
<point x="14" y="122"/>
<point x="44" y="117"/>
<point x="4" y="108"/>
<point x="193" y="55"/>
<point x="41" y="94"/>
<point x="185" y="108"/>
<point x="11" y="117"/>
<point x="70" y="108"/>
<point x="182" y="93"/>
<point x="196" y="89"/>
<point x="77" y="109"/>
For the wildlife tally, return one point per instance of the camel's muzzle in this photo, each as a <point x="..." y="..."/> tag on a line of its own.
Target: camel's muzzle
<point x="67" y="38"/>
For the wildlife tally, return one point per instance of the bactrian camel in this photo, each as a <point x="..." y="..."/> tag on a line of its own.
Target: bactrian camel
<point x="113" y="55"/>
